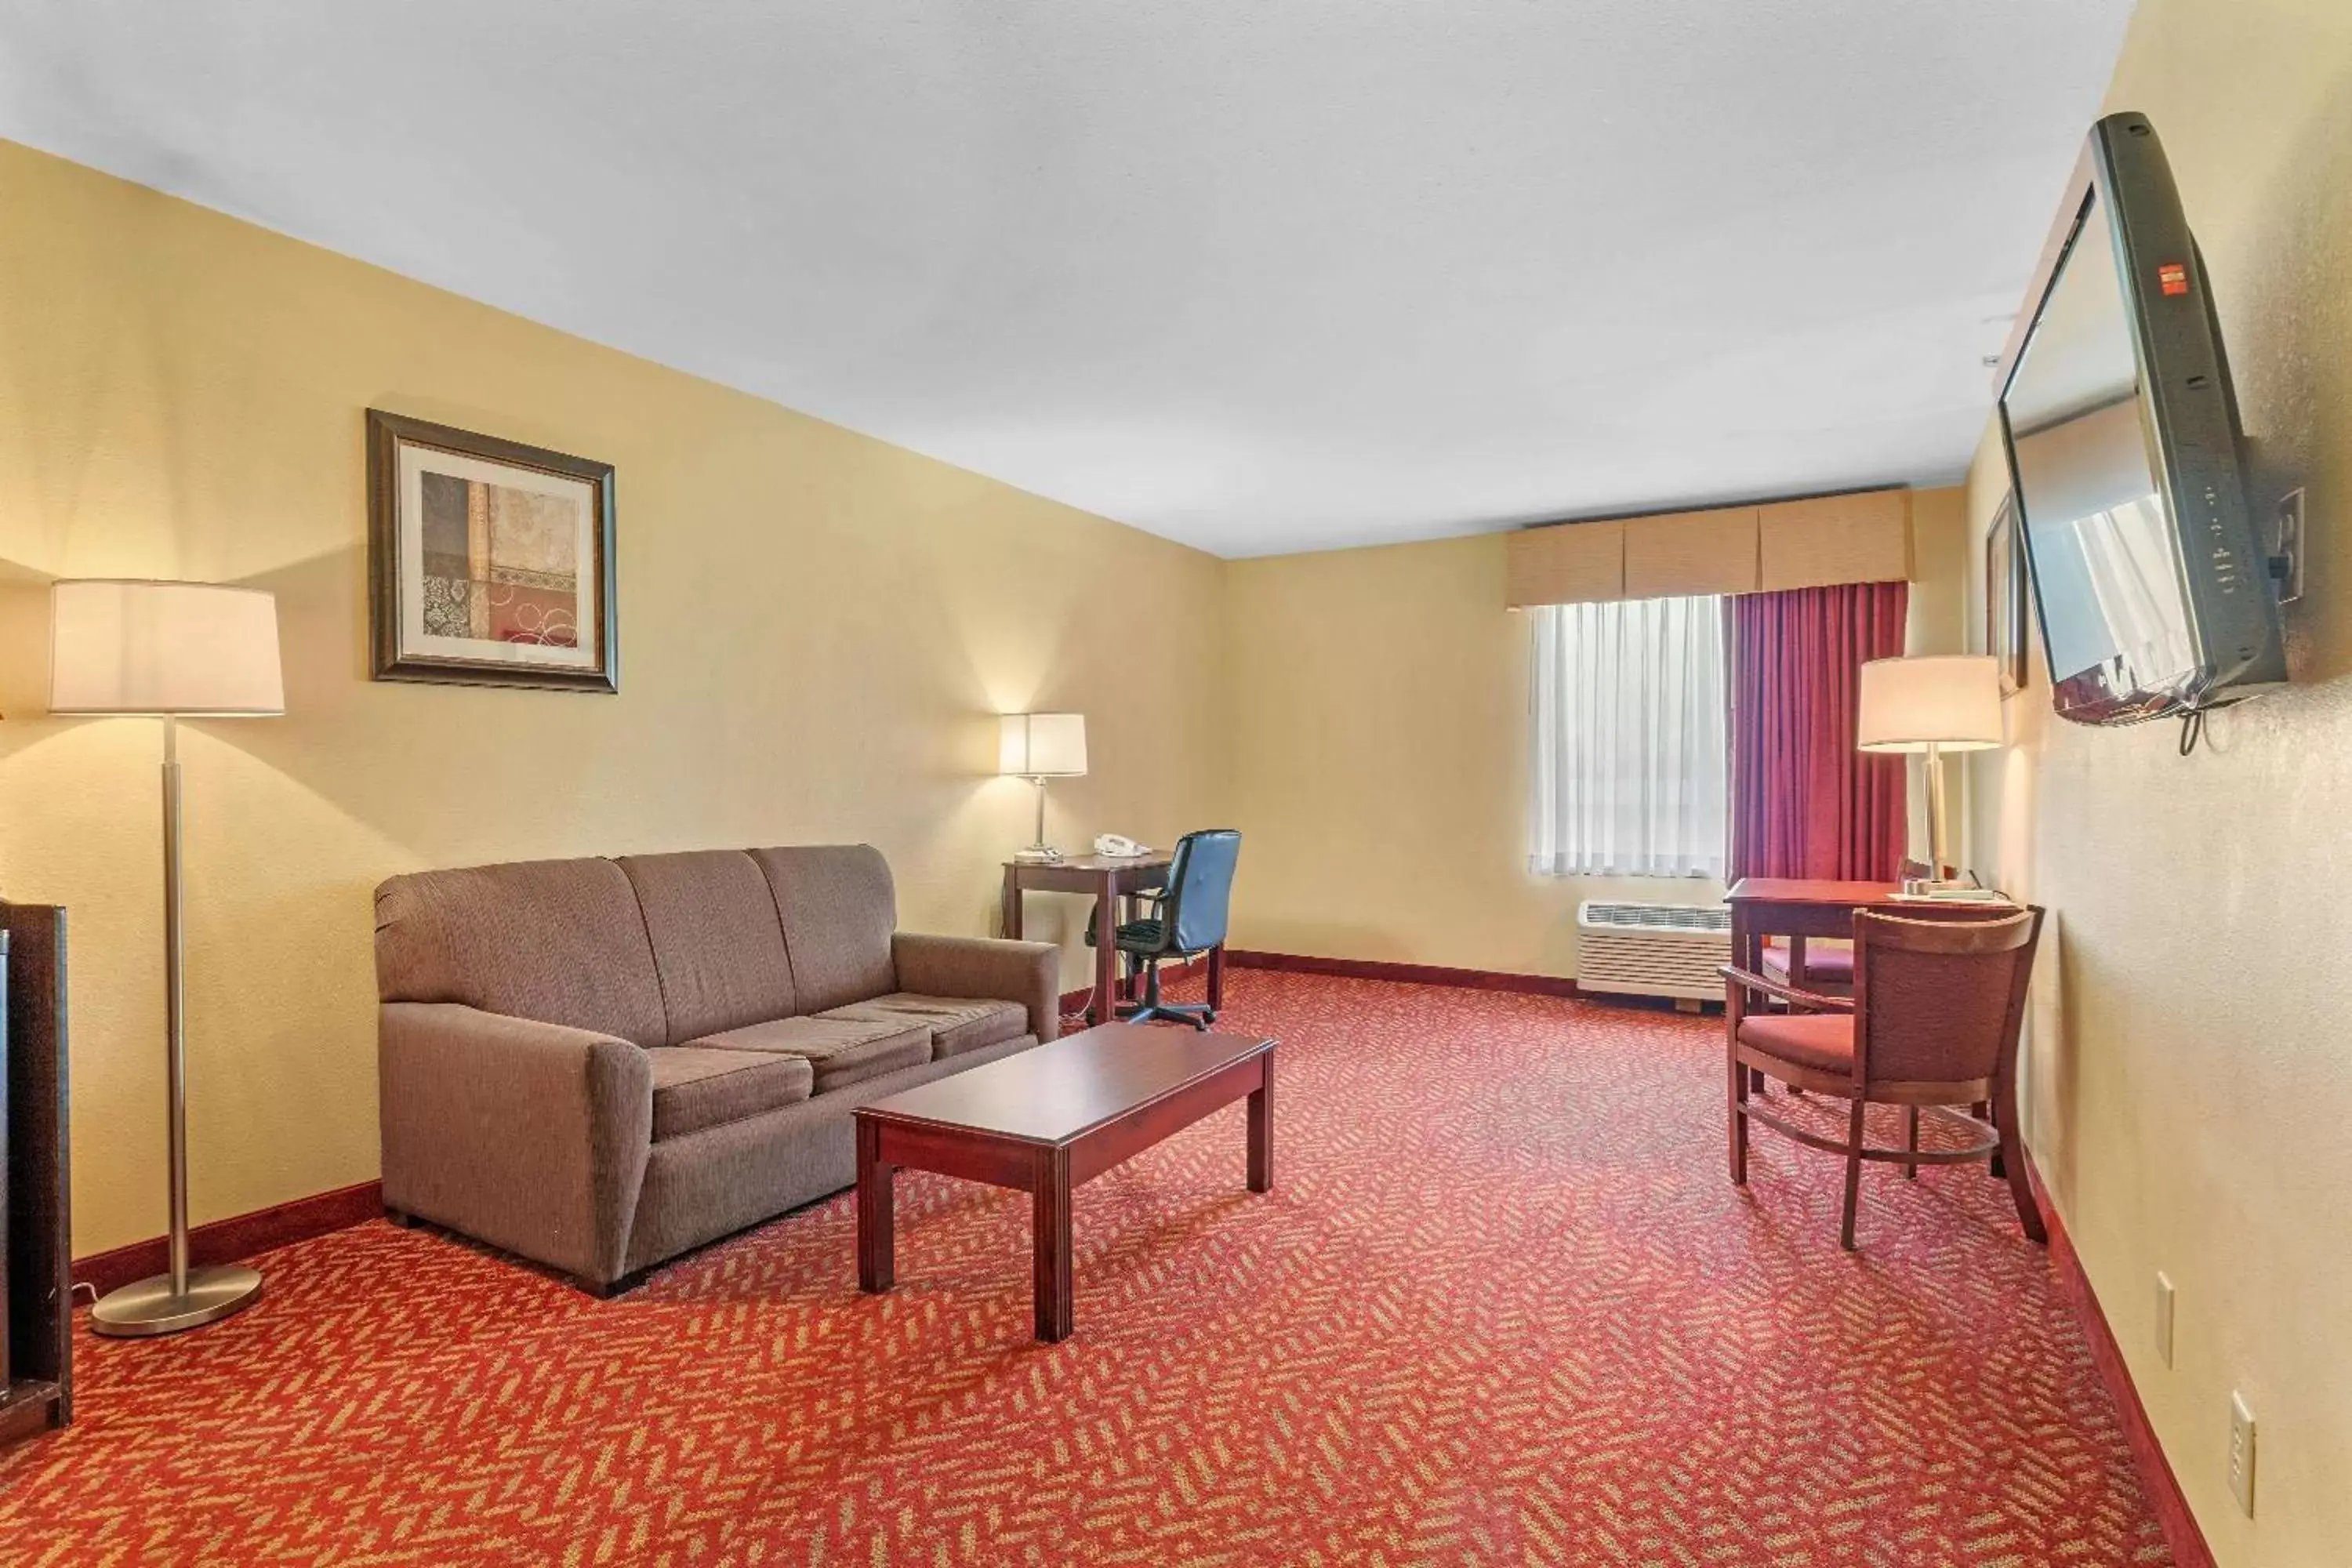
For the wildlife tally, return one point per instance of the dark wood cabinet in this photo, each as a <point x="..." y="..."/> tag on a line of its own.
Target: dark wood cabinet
<point x="35" y="1265"/>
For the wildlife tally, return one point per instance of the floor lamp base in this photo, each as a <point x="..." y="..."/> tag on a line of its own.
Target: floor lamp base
<point x="149" y="1307"/>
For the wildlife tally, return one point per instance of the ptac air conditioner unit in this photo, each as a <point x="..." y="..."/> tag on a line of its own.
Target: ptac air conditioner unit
<point x="1652" y="950"/>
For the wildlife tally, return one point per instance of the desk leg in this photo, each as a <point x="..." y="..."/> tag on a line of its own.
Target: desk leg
<point x="1261" y="1129"/>
<point x="876" y="1249"/>
<point x="1049" y="1223"/>
<point x="1217" y="978"/>
<point x="1106" y="950"/>
<point x="1011" y="910"/>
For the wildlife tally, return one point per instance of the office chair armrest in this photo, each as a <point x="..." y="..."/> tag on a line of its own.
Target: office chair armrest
<point x="1737" y="979"/>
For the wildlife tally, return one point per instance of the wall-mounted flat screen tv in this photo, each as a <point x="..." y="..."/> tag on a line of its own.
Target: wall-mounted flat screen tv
<point x="2154" y="590"/>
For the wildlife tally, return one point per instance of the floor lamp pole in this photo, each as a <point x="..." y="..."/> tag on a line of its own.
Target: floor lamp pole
<point x="175" y="1015"/>
<point x="182" y="1297"/>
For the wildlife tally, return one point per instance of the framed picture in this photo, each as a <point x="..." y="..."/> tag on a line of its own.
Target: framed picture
<point x="2005" y="591"/>
<point x="489" y="563"/>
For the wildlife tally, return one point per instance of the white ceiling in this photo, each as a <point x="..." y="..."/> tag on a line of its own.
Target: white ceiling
<point x="1259" y="275"/>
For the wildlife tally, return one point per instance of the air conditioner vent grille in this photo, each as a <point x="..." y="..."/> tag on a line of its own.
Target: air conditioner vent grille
<point x="1595" y="915"/>
<point x="1652" y="950"/>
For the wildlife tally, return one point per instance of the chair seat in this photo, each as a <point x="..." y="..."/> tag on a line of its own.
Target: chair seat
<point x="1824" y="961"/>
<point x="1822" y="1041"/>
<point x="696" y="1089"/>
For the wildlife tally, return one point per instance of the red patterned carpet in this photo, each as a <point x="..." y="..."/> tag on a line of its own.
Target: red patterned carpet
<point x="1501" y="1306"/>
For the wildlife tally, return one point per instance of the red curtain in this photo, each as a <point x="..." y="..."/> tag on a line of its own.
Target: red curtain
<point x="1805" y="803"/>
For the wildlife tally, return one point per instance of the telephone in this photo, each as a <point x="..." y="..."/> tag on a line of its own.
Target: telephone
<point x="1111" y="846"/>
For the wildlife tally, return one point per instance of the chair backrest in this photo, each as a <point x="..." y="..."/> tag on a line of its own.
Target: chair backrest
<point x="1201" y="887"/>
<point x="1940" y="1001"/>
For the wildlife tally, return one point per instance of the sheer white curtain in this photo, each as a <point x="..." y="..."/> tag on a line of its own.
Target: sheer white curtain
<point x="1629" y="748"/>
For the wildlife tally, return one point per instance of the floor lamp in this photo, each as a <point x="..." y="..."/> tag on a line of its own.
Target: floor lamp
<point x="168" y="650"/>
<point x="1931" y="703"/>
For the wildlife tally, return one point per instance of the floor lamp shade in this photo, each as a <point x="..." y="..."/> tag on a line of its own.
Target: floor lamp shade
<point x="190" y="650"/>
<point x="1932" y="703"/>
<point x="172" y="650"/>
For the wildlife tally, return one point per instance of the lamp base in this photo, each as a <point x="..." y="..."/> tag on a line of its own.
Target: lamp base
<point x="149" y="1307"/>
<point x="1038" y="855"/>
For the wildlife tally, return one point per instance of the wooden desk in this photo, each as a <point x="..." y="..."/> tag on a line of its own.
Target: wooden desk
<point x="1799" y="907"/>
<point x="1111" y="881"/>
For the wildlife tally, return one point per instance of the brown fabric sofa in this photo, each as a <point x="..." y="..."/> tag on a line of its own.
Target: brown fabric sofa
<point x="599" y="1064"/>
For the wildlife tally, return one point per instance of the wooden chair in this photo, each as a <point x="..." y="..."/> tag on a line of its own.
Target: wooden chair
<point x="1933" y="1025"/>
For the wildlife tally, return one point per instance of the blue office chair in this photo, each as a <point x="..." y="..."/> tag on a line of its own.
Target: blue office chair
<point x="1188" y="919"/>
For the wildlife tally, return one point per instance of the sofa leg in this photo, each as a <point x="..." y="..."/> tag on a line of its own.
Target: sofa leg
<point x="400" y="1218"/>
<point x="606" y="1289"/>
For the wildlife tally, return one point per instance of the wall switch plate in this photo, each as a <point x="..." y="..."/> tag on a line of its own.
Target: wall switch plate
<point x="2241" y="1453"/>
<point x="2163" y="1318"/>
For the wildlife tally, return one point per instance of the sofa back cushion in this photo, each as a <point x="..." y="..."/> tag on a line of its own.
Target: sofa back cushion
<point x="718" y="945"/>
<point x="559" y="941"/>
<point x="838" y="910"/>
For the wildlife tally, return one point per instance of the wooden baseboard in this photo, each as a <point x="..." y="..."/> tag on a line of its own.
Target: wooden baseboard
<point x="1410" y="974"/>
<point x="239" y="1236"/>
<point x="2155" y="1477"/>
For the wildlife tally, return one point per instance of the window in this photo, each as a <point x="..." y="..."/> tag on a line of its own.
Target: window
<point x="1629" y="768"/>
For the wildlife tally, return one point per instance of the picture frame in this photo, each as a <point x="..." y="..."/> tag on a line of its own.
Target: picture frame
<point x="2006" y="584"/>
<point x="489" y="563"/>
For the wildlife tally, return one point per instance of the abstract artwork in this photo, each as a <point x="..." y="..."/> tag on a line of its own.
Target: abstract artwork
<point x="492" y="562"/>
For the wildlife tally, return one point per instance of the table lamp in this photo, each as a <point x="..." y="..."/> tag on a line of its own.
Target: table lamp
<point x="1931" y="704"/>
<point x="168" y="650"/>
<point x="1038" y="747"/>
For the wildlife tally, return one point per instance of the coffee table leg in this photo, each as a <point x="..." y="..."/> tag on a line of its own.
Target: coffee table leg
<point x="877" y="1249"/>
<point x="1049" y="1218"/>
<point x="1261" y="1129"/>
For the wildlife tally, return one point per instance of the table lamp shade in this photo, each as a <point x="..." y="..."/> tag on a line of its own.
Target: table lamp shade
<point x="191" y="649"/>
<point x="1948" y="703"/>
<point x="1041" y="746"/>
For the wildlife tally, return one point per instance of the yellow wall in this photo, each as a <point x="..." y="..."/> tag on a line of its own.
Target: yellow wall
<point x="816" y="628"/>
<point x="1379" y="705"/>
<point x="2191" y="1080"/>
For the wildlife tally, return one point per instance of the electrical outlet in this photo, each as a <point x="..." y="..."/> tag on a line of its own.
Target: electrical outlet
<point x="2163" y="1318"/>
<point x="2241" y="1453"/>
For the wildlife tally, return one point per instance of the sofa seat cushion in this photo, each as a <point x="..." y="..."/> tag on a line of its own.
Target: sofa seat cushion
<point x="838" y="1050"/>
<point x="958" y="1024"/>
<point x="694" y="1089"/>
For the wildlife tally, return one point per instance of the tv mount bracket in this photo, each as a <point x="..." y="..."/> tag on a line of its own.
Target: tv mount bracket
<point x="2286" y="566"/>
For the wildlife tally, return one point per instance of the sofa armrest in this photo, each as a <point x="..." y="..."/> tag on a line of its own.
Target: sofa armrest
<point x="1029" y="973"/>
<point x="529" y="1136"/>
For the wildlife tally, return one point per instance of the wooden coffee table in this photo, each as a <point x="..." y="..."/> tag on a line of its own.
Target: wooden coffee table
<point x="1051" y="1118"/>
